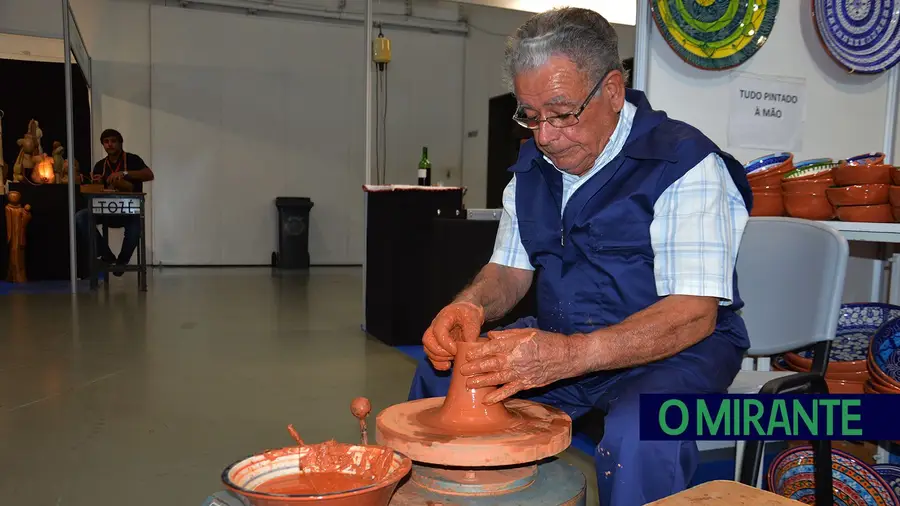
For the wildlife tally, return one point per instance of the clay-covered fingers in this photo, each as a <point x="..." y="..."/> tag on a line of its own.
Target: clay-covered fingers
<point x="504" y="392"/>
<point x="439" y="357"/>
<point x="460" y="321"/>
<point x="500" y="335"/>
<point x="492" y="379"/>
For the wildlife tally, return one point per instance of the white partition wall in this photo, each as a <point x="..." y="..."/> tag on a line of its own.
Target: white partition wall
<point x="246" y="109"/>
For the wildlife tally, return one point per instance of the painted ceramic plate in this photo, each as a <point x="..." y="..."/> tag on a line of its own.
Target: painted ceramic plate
<point x="715" y="34"/>
<point x="866" y="159"/>
<point x="856" y="326"/>
<point x="886" y="349"/>
<point x="766" y="162"/>
<point x="854" y="482"/>
<point x="891" y="474"/>
<point x="806" y="168"/>
<point x="860" y="35"/>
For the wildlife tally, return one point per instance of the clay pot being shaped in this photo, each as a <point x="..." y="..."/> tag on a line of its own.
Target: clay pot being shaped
<point x="859" y="195"/>
<point x="846" y="174"/>
<point x="767" y="204"/>
<point x="464" y="407"/>
<point x="809" y="206"/>
<point x="866" y="214"/>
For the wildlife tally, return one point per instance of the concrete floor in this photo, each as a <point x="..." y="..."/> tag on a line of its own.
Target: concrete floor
<point x="142" y="399"/>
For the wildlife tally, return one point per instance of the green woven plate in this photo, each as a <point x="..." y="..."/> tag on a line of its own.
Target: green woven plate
<point x="715" y="34"/>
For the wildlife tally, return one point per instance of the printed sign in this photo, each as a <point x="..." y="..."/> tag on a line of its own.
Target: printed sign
<point x="116" y="205"/>
<point x="767" y="112"/>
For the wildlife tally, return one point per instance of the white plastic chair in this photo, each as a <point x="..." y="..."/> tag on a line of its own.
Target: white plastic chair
<point x="791" y="278"/>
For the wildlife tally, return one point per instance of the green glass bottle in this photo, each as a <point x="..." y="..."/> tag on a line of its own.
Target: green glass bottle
<point x="425" y="168"/>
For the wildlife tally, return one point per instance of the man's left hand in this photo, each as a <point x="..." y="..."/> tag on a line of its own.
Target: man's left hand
<point x="521" y="359"/>
<point x="115" y="176"/>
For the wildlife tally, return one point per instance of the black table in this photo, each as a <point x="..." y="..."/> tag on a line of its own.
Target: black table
<point x="116" y="204"/>
<point x="420" y="252"/>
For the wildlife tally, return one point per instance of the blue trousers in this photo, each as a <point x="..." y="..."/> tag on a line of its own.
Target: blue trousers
<point x="630" y="472"/>
<point x="131" y="224"/>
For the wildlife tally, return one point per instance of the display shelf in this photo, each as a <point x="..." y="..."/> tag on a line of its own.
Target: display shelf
<point x="869" y="232"/>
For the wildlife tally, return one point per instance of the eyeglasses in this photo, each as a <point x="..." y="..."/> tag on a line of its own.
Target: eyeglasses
<point x="559" y="121"/>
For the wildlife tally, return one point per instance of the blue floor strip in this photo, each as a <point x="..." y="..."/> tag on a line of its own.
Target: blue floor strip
<point x="706" y="471"/>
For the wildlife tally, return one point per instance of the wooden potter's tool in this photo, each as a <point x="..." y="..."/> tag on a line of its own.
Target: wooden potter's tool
<point x="361" y="407"/>
<point x="497" y="454"/>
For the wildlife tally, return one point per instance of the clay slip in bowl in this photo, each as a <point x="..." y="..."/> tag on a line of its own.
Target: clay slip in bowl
<point x="859" y="195"/>
<point x="245" y="475"/>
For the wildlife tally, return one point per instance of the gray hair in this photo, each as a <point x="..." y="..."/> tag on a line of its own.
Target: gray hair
<point x="581" y="35"/>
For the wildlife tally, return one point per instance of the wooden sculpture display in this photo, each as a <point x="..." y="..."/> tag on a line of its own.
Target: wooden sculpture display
<point x="17" y="218"/>
<point x="30" y="152"/>
<point x="60" y="168"/>
<point x="4" y="169"/>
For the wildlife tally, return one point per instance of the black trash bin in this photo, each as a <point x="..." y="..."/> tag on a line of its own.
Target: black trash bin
<point x="293" y="233"/>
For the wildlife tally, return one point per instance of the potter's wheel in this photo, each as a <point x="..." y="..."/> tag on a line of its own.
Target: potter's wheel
<point x="535" y="431"/>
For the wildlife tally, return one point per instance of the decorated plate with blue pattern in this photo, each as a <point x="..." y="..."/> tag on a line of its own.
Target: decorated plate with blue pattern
<point x="856" y="326"/>
<point x="891" y="474"/>
<point x="886" y="349"/>
<point x="854" y="482"/>
<point x="862" y="36"/>
<point x="715" y="34"/>
<point x="766" y="162"/>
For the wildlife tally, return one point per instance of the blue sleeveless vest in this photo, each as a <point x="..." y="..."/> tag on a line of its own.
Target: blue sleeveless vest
<point x="594" y="266"/>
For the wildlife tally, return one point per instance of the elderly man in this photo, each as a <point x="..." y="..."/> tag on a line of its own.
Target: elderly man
<point x="629" y="222"/>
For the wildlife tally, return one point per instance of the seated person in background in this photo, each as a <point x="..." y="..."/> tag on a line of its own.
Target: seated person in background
<point x="119" y="171"/>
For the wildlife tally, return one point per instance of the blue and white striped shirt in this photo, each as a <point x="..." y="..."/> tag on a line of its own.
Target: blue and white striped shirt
<point x="697" y="224"/>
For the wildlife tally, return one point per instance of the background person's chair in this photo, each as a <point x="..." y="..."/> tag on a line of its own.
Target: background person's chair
<point x="791" y="277"/>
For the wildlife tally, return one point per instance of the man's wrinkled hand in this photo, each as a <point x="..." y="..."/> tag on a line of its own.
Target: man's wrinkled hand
<point x="521" y="359"/>
<point x="459" y="321"/>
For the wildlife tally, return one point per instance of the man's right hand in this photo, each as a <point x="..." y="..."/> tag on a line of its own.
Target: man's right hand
<point x="459" y="321"/>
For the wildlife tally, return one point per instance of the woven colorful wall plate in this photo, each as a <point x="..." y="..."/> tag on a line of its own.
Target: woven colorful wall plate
<point x="863" y="36"/>
<point x="715" y="34"/>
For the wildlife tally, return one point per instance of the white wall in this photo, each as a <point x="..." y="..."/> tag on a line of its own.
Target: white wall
<point x="246" y="109"/>
<point x="845" y="113"/>
<point x="40" y="18"/>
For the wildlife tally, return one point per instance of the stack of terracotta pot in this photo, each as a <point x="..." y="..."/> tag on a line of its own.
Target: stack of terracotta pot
<point x="861" y="190"/>
<point x="843" y="377"/>
<point x="804" y="190"/>
<point x="764" y="175"/>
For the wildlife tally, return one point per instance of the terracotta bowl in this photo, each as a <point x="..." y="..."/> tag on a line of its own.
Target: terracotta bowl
<point x="866" y="214"/>
<point x="846" y="174"/>
<point x="767" y="204"/>
<point x="877" y="388"/>
<point x="851" y="368"/>
<point x="895" y="175"/>
<point x="866" y="159"/>
<point x="808" y="206"/>
<point x="844" y="387"/>
<point x="769" y="170"/>
<point x="859" y="195"/>
<point x="767" y="163"/>
<point x="896" y="213"/>
<point x="767" y="188"/>
<point x="811" y="169"/>
<point x="894" y="195"/>
<point x="855" y="482"/>
<point x="245" y="477"/>
<point x="806" y="185"/>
